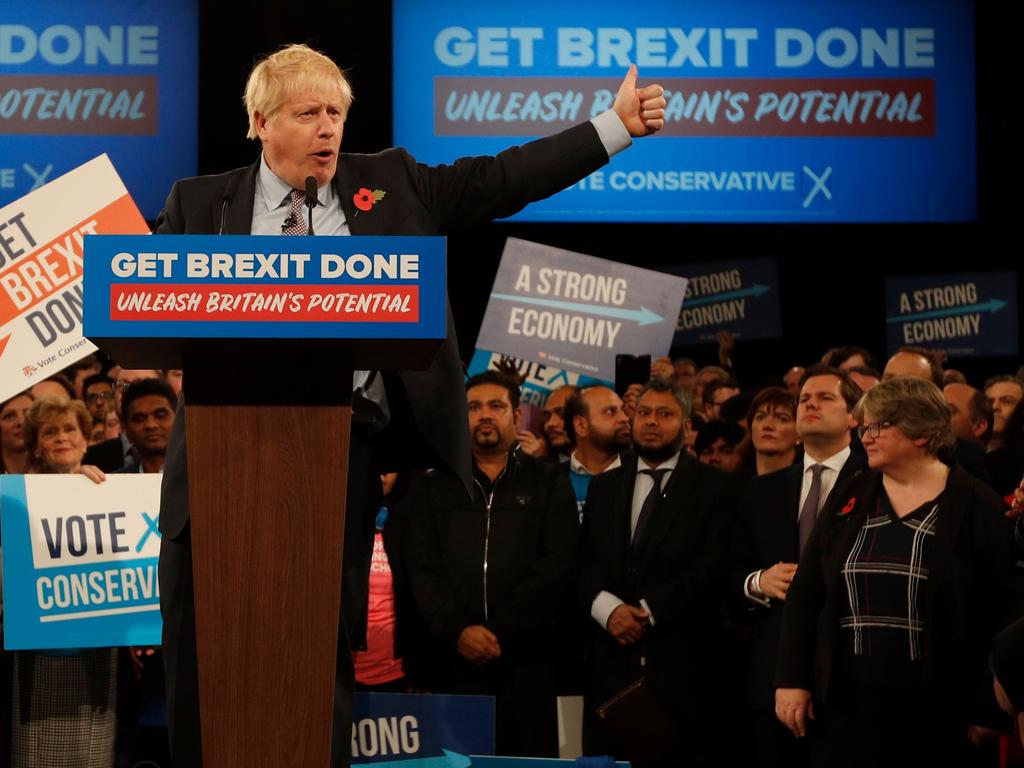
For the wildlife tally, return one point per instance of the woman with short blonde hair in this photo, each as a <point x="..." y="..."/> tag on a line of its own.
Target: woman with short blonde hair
<point x="63" y="701"/>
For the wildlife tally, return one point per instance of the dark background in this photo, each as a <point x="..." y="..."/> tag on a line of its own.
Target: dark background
<point x="832" y="275"/>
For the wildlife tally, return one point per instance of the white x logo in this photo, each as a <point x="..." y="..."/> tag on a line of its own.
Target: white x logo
<point x="819" y="185"/>
<point x="40" y="177"/>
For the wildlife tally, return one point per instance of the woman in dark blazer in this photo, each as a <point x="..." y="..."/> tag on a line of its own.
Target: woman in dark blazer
<point x="896" y="599"/>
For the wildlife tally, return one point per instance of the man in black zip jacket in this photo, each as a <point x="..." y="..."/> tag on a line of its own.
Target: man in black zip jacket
<point x="487" y="570"/>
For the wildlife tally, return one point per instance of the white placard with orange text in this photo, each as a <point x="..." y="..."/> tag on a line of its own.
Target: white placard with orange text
<point x="41" y="269"/>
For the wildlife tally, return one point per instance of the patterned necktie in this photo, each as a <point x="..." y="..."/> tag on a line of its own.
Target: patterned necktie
<point x="648" y="507"/>
<point x="294" y="223"/>
<point x="809" y="513"/>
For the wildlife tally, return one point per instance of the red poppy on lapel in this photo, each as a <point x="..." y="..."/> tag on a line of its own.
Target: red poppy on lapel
<point x="365" y="198"/>
<point x="849" y="507"/>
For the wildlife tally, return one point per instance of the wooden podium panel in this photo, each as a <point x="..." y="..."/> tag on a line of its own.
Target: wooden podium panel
<point x="267" y="484"/>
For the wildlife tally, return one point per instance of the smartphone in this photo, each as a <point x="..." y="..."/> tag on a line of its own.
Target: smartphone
<point x="631" y="369"/>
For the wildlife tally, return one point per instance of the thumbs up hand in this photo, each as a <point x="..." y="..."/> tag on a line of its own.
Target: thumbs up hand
<point x="642" y="110"/>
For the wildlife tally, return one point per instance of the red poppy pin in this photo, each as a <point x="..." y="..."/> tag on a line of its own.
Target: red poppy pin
<point x="849" y="507"/>
<point x="365" y="198"/>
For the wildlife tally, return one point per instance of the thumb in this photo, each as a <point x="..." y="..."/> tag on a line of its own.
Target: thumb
<point x="629" y="83"/>
<point x="810" y="710"/>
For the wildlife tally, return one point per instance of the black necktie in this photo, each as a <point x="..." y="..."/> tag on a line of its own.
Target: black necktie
<point x="809" y="513"/>
<point x="650" y="504"/>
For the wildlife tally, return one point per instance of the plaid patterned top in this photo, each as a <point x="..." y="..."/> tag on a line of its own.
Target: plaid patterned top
<point x="884" y="575"/>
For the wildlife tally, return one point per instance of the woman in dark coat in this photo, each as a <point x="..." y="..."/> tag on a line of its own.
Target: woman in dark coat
<point x="896" y="599"/>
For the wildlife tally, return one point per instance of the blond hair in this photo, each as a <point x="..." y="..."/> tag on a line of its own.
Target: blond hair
<point x="45" y="410"/>
<point x="916" y="407"/>
<point x="292" y="69"/>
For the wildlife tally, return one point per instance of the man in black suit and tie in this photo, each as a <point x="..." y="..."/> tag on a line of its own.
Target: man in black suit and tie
<point x="297" y="100"/>
<point x="655" y="535"/>
<point x="775" y="521"/>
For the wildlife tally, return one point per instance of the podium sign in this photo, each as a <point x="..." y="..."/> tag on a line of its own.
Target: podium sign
<point x="268" y="331"/>
<point x="249" y="287"/>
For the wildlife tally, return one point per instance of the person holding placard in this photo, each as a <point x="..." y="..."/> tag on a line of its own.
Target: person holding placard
<point x="63" y="701"/>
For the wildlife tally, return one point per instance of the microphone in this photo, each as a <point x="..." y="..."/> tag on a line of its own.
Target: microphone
<point x="310" y="201"/>
<point x="229" y="194"/>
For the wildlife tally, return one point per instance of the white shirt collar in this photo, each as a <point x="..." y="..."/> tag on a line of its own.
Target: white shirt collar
<point x="275" y="191"/>
<point x="671" y="463"/>
<point x="834" y="462"/>
<point x="579" y="469"/>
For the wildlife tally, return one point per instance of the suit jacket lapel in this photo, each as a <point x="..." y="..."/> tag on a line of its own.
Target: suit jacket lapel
<point x="788" y="524"/>
<point x="622" y="506"/>
<point x="346" y="185"/>
<point x="678" y="490"/>
<point x="238" y="220"/>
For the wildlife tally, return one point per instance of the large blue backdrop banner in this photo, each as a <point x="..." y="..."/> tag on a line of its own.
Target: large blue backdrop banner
<point x="794" y="110"/>
<point x="81" y="79"/>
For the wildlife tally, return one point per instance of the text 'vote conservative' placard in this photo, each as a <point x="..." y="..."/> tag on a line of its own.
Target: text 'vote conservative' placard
<point x="80" y="560"/>
<point x="575" y="312"/>
<point x="41" y="265"/>
<point x="209" y="286"/>
<point x="963" y="315"/>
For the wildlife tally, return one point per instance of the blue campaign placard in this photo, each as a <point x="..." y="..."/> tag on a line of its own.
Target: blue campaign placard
<point x="790" y="111"/>
<point x="963" y="315"/>
<point x="249" y="286"/>
<point x="421" y="729"/>
<point x="80" y="561"/>
<point x="539" y="380"/>
<point x="740" y="296"/>
<point x="82" y="79"/>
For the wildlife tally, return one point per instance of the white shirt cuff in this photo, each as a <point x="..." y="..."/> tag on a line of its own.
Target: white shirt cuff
<point x="602" y="607"/>
<point x="750" y="595"/>
<point x="646" y="607"/>
<point x="612" y="132"/>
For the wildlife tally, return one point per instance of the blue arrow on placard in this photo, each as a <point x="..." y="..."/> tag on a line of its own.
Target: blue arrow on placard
<point x="755" y="290"/>
<point x="992" y="305"/>
<point x="642" y="316"/>
<point x="448" y="760"/>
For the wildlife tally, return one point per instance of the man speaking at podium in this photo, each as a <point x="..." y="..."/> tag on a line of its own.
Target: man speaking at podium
<point x="297" y="100"/>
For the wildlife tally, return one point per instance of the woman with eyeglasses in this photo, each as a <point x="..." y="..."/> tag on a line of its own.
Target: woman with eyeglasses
<point x="890" y="617"/>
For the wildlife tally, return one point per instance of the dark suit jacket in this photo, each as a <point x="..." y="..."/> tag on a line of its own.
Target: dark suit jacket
<point x="965" y="595"/>
<point x="107" y="455"/>
<point x="767" y="533"/>
<point x="421" y="200"/>
<point x="680" y="572"/>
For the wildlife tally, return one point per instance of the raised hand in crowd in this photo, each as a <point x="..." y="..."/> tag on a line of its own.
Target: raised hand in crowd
<point x="630" y="398"/>
<point x="532" y="445"/>
<point x="663" y="369"/>
<point x="726" y="344"/>
<point x="478" y="645"/>
<point x="627" y="623"/>
<point x="508" y="367"/>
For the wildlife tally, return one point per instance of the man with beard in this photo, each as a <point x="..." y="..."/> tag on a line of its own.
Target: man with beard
<point x="655" y="537"/>
<point x="486" y="571"/>
<point x="598" y="431"/>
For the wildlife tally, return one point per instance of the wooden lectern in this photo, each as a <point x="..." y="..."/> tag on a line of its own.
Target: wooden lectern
<point x="267" y="421"/>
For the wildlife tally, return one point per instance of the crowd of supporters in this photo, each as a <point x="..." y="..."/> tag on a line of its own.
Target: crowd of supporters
<point x="811" y="572"/>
